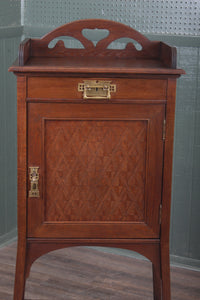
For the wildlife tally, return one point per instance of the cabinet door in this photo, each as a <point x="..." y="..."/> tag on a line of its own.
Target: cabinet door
<point x="100" y="169"/>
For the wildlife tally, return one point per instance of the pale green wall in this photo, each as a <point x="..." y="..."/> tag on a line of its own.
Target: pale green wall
<point x="162" y="20"/>
<point x="10" y="36"/>
<point x="185" y="221"/>
<point x="10" y="13"/>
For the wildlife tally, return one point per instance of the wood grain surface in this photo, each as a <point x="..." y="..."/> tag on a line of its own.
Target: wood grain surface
<point x="98" y="163"/>
<point x="158" y="52"/>
<point x="54" y="88"/>
<point x="100" y="170"/>
<point x="86" y="274"/>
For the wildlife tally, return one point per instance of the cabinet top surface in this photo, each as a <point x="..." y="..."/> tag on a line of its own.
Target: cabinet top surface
<point x="94" y="65"/>
<point x="153" y="57"/>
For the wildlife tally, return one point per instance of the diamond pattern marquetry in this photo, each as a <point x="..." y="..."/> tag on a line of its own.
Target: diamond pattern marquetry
<point x="95" y="170"/>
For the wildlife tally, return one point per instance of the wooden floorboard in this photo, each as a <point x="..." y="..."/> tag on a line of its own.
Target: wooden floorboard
<point x="82" y="273"/>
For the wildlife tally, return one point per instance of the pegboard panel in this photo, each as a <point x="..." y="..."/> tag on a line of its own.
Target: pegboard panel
<point x="10" y="12"/>
<point x="147" y="16"/>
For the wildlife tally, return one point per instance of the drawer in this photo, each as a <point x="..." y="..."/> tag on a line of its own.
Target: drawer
<point x="67" y="88"/>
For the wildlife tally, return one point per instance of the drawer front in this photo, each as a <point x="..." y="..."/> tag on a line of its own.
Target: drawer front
<point x="67" y="88"/>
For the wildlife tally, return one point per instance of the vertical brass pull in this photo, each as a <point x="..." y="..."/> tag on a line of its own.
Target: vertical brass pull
<point x="34" y="178"/>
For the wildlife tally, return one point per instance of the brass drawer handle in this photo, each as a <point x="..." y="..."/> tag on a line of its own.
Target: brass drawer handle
<point x="34" y="178"/>
<point x="96" y="89"/>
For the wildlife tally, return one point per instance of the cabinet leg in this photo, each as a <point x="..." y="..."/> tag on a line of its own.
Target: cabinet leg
<point x="157" y="283"/>
<point x="20" y="272"/>
<point x="165" y="274"/>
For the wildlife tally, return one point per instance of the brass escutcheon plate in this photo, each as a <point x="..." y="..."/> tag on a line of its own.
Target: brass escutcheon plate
<point x="34" y="178"/>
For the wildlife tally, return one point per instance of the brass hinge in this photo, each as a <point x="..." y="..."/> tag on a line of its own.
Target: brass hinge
<point x="160" y="214"/>
<point x="164" y="130"/>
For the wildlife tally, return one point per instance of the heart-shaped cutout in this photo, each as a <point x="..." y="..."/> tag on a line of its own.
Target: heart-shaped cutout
<point x="95" y="35"/>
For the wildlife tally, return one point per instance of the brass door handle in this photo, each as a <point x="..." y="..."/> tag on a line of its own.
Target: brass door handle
<point x="34" y="179"/>
<point x="96" y="89"/>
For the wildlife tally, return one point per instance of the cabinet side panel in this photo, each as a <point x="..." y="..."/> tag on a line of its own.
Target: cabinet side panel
<point x="22" y="157"/>
<point x="167" y="183"/>
<point x="22" y="185"/>
<point x="168" y="159"/>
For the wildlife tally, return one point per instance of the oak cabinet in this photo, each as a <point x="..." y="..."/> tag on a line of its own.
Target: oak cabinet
<point x="95" y="140"/>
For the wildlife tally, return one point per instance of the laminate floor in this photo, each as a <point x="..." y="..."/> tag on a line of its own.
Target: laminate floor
<point x="82" y="273"/>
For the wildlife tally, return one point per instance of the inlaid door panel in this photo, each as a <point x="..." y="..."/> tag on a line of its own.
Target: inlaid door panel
<point x="100" y="168"/>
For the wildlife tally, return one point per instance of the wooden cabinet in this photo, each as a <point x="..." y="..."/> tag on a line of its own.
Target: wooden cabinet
<point x="95" y="140"/>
